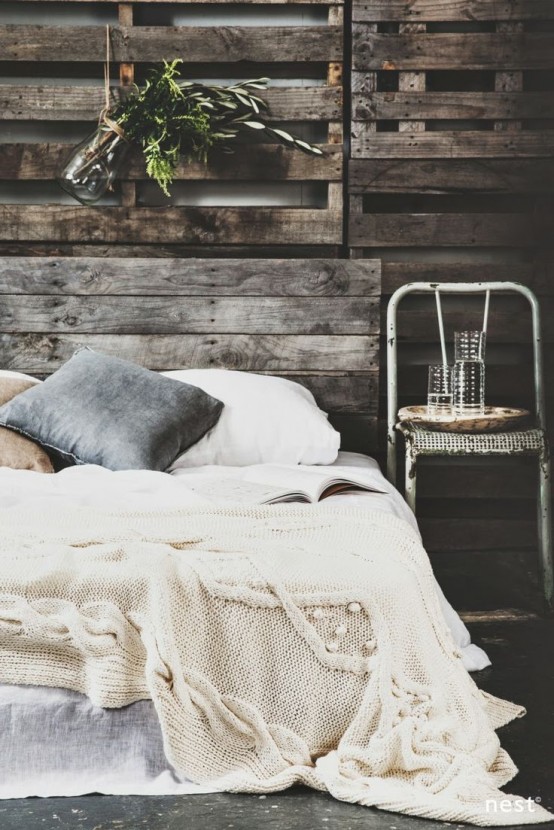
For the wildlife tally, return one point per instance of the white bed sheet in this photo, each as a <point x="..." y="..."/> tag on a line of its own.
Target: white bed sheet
<point x="81" y="748"/>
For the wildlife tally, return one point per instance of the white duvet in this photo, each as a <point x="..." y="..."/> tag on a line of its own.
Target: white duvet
<point x="124" y="752"/>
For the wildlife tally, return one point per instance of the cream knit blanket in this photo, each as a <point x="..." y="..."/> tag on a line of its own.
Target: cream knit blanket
<point x="279" y="645"/>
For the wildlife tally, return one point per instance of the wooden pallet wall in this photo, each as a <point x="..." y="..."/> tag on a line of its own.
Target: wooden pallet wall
<point x="451" y="178"/>
<point x="313" y="321"/>
<point x="312" y="53"/>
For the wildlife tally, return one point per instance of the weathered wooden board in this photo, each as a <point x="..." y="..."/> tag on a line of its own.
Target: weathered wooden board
<point x="191" y="277"/>
<point x="475" y="51"/>
<point x="451" y="144"/>
<point x="491" y="582"/>
<point x="166" y="250"/>
<point x="506" y="327"/>
<point x="512" y="481"/>
<point x="314" y="321"/>
<point x="450" y="179"/>
<point x="352" y="394"/>
<point x="43" y="353"/>
<point x="257" y="162"/>
<point x="504" y="381"/>
<point x="192" y="44"/>
<point x="247" y="2"/>
<point x="508" y="230"/>
<point x="305" y="54"/>
<point x="83" y="103"/>
<point x="450" y="534"/>
<point x="209" y="226"/>
<point x="456" y="10"/>
<point x="451" y="176"/>
<point x="538" y="274"/>
<point x="164" y="315"/>
<point x="451" y="105"/>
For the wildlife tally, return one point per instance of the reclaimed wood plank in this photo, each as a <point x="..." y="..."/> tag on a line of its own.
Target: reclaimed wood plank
<point x="502" y="615"/>
<point x="192" y="44"/>
<point x="510" y="480"/>
<point x="257" y="162"/>
<point x="506" y="327"/>
<point x="537" y="274"/>
<point x="451" y="144"/>
<point x="358" y="432"/>
<point x="509" y="230"/>
<point x="342" y="394"/>
<point x="366" y="85"/>
<point x="189" y="277"/>
<point x="335" y="129"/>
<point x="209" y="2"/>
<point x="44" y="353"/>
<point x="451" y="176"/>
<point x="512" y="80"/>
<point x="164" y="315"/>
<point x="166" y="250"/>
<point x="414" y="81"/>
<point x="377" y="11"/>
<point x="476" y="534"/>
<point x="191" y="225"/>
<point x="355" y="394"/>
<point x="491" y="578"/>
<point x="32" y="102"/>
<point x="475" y="51"/>
<point x="395" y="106"/>
<point x="506" y="384"/>
<point x="125" y="17"/>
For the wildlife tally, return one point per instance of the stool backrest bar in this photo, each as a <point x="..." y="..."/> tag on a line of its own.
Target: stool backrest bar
<point x="454" y="288"/>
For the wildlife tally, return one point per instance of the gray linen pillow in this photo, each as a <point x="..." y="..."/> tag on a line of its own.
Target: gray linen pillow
<point x="103" y="410"/>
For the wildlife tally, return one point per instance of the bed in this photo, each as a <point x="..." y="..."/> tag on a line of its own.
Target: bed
<point x="315" y="322"/>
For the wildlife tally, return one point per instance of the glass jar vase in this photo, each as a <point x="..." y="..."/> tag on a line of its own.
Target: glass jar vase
<point x="93" y="166"/>
<point x="468" y="377"/>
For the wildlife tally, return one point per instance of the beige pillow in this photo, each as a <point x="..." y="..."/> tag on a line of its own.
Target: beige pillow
<point x="16" y="451"/>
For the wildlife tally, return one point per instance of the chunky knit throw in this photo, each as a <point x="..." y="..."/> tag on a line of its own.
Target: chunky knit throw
<point x="280" y="645"/>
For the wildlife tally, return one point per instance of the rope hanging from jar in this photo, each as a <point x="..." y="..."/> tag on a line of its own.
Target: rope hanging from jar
<point x="104" y="118"/>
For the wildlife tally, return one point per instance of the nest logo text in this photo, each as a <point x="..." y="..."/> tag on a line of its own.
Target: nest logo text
<point x="512" y="805"/>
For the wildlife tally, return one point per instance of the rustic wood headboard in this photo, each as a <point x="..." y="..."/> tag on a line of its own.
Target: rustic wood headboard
<point x="315" y="321"/>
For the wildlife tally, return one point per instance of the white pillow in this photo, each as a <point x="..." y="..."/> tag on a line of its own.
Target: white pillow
<point x="265" y="420"/>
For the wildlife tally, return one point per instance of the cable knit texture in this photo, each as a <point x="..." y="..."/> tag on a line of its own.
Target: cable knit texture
<point x="280" y="645"/>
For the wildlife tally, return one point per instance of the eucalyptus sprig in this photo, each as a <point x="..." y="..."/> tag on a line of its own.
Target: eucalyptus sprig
<point x="170" y="117"/>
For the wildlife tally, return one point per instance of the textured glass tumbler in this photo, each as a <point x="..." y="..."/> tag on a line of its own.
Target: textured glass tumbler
<point x="439" y="391"/>
<point x="468" y="378"/>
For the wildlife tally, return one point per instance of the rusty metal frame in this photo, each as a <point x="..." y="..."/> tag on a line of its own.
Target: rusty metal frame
<point x="544" y="490"/>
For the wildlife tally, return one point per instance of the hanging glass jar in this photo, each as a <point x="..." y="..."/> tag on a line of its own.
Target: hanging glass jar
<point x="93" y="166"/>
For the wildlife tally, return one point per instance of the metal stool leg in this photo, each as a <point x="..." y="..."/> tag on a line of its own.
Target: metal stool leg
<point x="410" y="478"/>
<point x="545" y="528"/>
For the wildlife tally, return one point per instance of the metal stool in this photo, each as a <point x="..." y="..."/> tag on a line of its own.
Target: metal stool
<point x="426" y="442"/>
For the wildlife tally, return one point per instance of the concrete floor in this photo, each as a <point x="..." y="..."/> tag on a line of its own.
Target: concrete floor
<point x="523" y="656"/>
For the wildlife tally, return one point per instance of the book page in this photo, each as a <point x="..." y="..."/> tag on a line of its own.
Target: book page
<point x="229" y="490"/>
<point x="271" y="483"/>
<point x="313" y="481"/>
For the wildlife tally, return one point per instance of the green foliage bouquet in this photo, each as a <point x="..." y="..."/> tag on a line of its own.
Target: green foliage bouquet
<point x="168" y="118"/>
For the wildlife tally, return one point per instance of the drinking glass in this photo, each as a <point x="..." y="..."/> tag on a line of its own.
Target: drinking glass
<point x="439" y="391"/>
<point x="469" y="345"/>
<point x="468" y="378"/>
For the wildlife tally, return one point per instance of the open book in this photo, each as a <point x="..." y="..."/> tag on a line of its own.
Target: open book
<point x="272" y="484"/>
